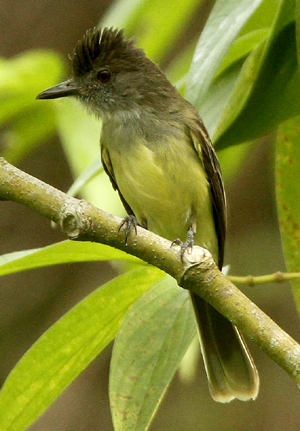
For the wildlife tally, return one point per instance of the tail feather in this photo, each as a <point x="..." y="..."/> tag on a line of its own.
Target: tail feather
<point x="229" y="366"/>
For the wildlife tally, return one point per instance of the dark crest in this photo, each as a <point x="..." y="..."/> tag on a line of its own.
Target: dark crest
<point x="101" y="44"/>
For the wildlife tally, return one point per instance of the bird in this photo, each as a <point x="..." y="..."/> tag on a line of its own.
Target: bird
<point x="160" y="159"/>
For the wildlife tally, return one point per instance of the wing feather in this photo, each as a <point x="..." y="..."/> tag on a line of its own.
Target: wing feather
<point x="207" y="154"/>
<point x="107" y="165"/>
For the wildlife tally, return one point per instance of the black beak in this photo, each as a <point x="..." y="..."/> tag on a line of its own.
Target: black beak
<point x="67" y="88"/>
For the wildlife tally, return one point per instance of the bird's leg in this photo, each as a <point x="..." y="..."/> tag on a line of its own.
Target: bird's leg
<point x="188" y="244"/>
<point x="130" y="223"/>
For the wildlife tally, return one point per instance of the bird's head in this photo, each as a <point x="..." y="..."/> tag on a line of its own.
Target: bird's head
<point x="110" y="74"/>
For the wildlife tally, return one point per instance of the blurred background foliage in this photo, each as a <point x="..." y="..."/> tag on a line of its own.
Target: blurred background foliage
<point x="243" y="77"/>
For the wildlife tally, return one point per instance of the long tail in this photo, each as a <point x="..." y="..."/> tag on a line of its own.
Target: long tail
<point x="229" y="366"/>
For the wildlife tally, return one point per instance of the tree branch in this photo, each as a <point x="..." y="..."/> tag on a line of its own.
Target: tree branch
<point x="81" y="221"/>
<point x="277" y="277"/>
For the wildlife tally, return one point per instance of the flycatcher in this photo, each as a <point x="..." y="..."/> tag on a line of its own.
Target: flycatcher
<point x="159" y="157"/>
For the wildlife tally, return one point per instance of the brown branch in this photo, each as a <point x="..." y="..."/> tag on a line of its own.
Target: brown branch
<point x="198" y="273"/>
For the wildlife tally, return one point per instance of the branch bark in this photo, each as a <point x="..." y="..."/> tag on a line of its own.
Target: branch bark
<point x="198" y="273"/>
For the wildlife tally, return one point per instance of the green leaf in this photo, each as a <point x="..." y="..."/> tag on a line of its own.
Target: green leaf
<point x="224" y="23"/>
<point x="62" y="252"/>
<point x="263" y="16"/>
<point x="149" y="346"/>
<point x="66" y="349"/>
<point x="287" y="187"/>
<point x="27" y="131"/>
<point x="297" y="16"/>
<point x="146" y="21"/>
<point x="27" y="122"/>
<point x="242" y="47"/>
<point x="216" y="99"/>
<point x="22" y="77"/>
<point x="87" y="175"/>
<point x="267" y="90"/>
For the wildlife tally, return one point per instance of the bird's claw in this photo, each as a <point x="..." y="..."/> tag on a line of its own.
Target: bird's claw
<point x="130" y="222"/>
<point x="187" y="245"/>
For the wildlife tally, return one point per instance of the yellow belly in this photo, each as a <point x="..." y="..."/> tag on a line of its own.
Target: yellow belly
<point x="166" y="187"/>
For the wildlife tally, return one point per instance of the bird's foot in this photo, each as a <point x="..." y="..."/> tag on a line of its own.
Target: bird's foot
<point x="187" y="245"/>
<point x="130" y="223"/>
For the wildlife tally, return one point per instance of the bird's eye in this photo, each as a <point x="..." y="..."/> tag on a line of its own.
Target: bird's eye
<point x="104" y="75"/>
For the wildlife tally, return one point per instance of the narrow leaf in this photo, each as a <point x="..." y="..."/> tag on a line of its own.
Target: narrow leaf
<point x="267" y="89"/>
<point x="27" y="131"/>
<point x="243" y="46"/>
<point x="87" y="175"/>
<point x="66" y="349"/>
<point x="224" y="23"/>
<point x="22" y="77"/>
<point x="297" y="16"/>
<point x="216" y="99"/>
<point x="288" y="192"/>
<point x="27" y="122"/>
<point x="62" y="252"/>
<point x="150" y="344"/>
<point x="148" y="24"/>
